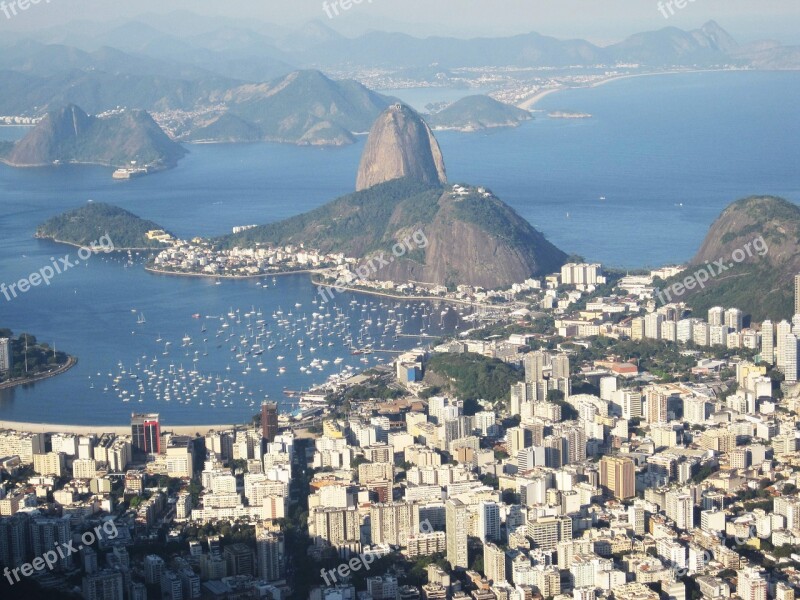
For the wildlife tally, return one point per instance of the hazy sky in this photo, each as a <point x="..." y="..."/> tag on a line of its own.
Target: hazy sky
<point x="600" y="21"/>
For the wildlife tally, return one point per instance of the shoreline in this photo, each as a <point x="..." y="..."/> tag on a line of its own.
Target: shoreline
<point x="368" y="292"/>
<point x="232" y="277"/>
<point x="28" y="427"/>
<point x="78" y="163"/>
<point x="529" y="103"/>
<point x="94" y="251"/>
<point x="71" y="362"/>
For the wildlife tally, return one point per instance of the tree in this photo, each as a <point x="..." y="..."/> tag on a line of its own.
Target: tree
<point x="477" y="564"/>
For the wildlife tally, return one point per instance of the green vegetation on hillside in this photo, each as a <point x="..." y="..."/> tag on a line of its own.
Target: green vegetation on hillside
<point x="473" y="376"/>
<point x="94" y="220"/>
<point x="355" y="224"/>
<point x="760" y="292"/>
<point x="758" y="240"/>
<point x="492" y="216"/>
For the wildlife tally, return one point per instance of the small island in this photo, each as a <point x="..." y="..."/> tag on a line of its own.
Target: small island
<point x="23" y="360"/>
<point x="128" y="140"/>
<point x="476" y="113"/>
<point x="563" y="114"/>
<point x="83" y="226"/>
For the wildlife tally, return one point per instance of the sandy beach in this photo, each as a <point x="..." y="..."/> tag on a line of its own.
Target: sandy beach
<point x="100" y="429"/>
<point x="532" y="101"/>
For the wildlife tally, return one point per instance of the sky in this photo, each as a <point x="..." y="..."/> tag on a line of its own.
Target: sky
<point x="599" y="21"/>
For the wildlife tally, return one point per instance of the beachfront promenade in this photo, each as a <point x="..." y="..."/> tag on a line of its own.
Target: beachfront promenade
<point x="100" y="429"/>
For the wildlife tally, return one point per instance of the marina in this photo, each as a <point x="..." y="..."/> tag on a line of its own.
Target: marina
<point x="323" y="344"/>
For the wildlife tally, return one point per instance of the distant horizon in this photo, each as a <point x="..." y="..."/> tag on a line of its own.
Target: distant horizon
<point x="562" y="19"/>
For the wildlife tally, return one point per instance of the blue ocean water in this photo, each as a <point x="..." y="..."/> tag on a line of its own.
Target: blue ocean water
<point x="667" y="153"/>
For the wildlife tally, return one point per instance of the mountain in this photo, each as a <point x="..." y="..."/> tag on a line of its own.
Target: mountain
<point x="470" y="236"/>
<point x="94" y="220"/>
<point x="672" y="46"/>
<point x="400" y="144"/>
<point x="70" y="135"/>
<point x="305" y="107"/>
<point x="709" y="45"/>
<point x="762" y="233"/>
<point x="99" y="91"/>
<point x="474" y="239"/>
<point x="478" y="112"/>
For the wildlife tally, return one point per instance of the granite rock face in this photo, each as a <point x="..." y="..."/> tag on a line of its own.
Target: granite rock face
<point x="400" y="145"/>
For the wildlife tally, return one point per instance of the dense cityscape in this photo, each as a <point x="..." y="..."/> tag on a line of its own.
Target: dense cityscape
<point x="635" y="446"/>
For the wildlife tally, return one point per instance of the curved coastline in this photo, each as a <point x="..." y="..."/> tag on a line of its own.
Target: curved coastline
<point x="232" y="277"/>
<point x="94" y="251"/>
<point x="370" y="292"/>
<point x="529" y="103"/>
<point x="71" y="362"/>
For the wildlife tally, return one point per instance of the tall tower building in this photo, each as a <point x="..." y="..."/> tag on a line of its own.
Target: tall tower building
<point x="456" y="525"/>
<point x="146" y="433"/>
<point x="271" y="555"/>
<point x="106" y="585"/>
<point x="716" y="315"/>
<point x="494" y="563"/>
<point x="5" y="355"/>
<point x="636" y="517"/>
<point x="575" y="442"/>
<point x="48" y="532"/>
<point x="629" y="403"/>
<point x="534" y="366"/>
<point x="751" y="584"/>
<point x="14" y="540"/>
<point x="393" y="522"/>
<point x="656" y="406"/>
<point x="489" y="521"/>
<point x="734" y="319"/>
<point x="781" y="331"/>
<point x="797" y="294"/>
<point x="269" y="421"/>
<point x="560" y="366"/>
<point x="618" y="476"/>
<point x="788" y="357"/>
<point x="768" y="342"/>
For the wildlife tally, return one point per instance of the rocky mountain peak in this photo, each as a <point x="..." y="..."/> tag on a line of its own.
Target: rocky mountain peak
<point x="400" y="145"/>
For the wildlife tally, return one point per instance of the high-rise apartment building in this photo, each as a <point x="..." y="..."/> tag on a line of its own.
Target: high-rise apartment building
<point x="271" y="553"/>
<point x="146" y="433"/>
<point x="269" y="421"/>
<point x="5" y="355"/>
<point x="797" y="294"/>
<point x="494" y="562"/>
<point x="618" y="476"/>
<point x="457" y="526"/>
<point x="768" y="342"/>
